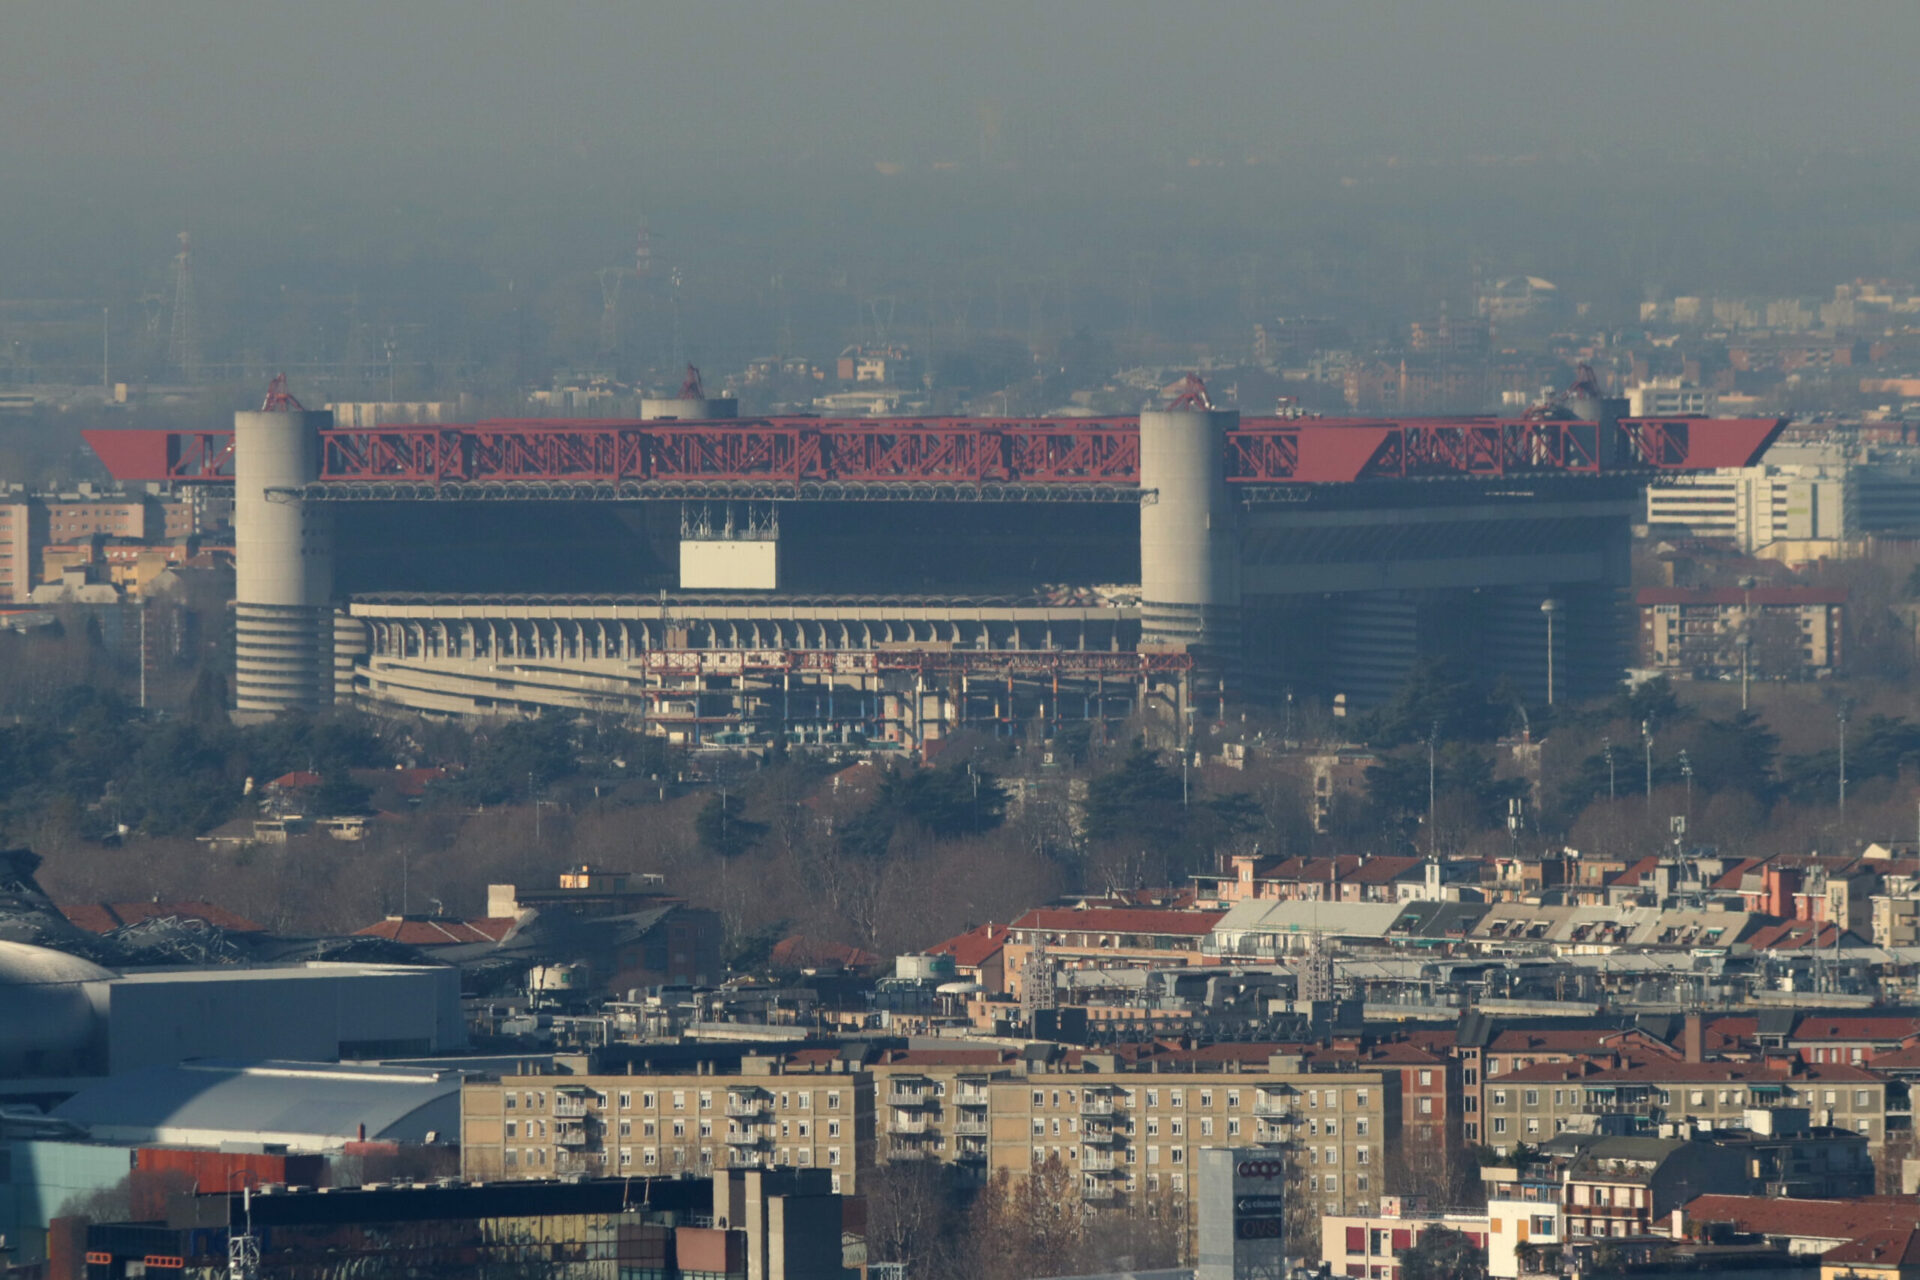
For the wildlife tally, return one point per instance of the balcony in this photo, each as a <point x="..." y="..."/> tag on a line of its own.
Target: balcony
<point x="909" y="1097"/>
<point x="1096" y="1104"/>
<point x="1093" y="1161"/>
<point x="746" y="1136"/>
<point x="569" y="1109"/>
<point x="1102" y="1135"/>
<point x="571" y="1137"/>
<point x="971" y="1152"/>
<point x="1101" y="1191"/>
<point x="1277" y="1105"/>
<point x="908" y="1154"/>
<point x="911" y="1126"/>
<point x="971" y="1098"/>
<point x="976" y="1126"/>
<point x="742" y="1107"/>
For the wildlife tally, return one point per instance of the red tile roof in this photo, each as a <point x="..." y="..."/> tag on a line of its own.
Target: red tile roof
<point x="1813" y="1219"/>
<point x="296" y="780"/>
<point x="1659" y="1071"/>
<point x="423" y="931"/>
<point x="974" y="947"/>
<point x="408" y="782"/>
<point x="1831" y="1027"/>
<point x="1897" y="1246"/>
<point x="798" y="951"/>
<point x="104" y="917"/>
<point x="1120" y="920"/>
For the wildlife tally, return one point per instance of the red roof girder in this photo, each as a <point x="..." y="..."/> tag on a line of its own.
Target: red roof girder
<point x="962" y="451"/>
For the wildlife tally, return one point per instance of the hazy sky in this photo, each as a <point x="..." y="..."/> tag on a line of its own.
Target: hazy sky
<point x="335" y="82"/>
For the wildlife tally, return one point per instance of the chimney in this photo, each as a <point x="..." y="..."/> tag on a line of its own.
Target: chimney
<point x="1693" y="1040"/>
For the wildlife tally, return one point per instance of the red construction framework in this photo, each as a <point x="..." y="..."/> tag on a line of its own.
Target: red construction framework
<point x="935" y="663"/>
<point x="794" y="453"/>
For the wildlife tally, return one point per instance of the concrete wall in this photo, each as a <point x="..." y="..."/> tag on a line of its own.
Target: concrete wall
<point x="303" y="1014"/>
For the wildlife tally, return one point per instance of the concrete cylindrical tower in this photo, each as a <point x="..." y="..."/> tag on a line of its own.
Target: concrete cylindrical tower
<point x="283" y="566"/>
<point x="688" y="408"/>
<point x="1189" y="534"/>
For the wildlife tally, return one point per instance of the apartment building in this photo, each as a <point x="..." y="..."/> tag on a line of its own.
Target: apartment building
<point x="1764" y="631"/>
<point x="811" y="1109"/>
<point x="1106" y="938"/>
<point x="1535" y="1103"/>
<point x="1130" y="1126"/>
<point x="1490" y="1055"/>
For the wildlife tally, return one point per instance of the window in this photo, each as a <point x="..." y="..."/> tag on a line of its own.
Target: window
<point x="626" y="1128"/>
<point x="1862" y="1099"/>
<point x="1499" y="1098"/>
<point x="706" y="1128"/>
<point x="646" y="1101"/>
<point x="1361" y="1155"/>
<point x="1530" y="1097"/>
<point x="833" y="1101"/>
<point x="1697" y="1097"/>
<point x="1153" y="1155"/>
<point x="1360" y="1182"/>
<point x="833" y="1155"/>
<point x="1153" y="1126"/>
<point x="1153" y="1097"/>
<point x="626" y="1101"/>
<point x="833" y="1128"/>
<point x="1039" y="1097"/>
<point x="1206" y="1097"/>
<point x="510" y="1128"/>
<point x="1426" y="1078"/>
<point x="1499" y="1124"/>
<point x="1176" y="1127"/>
<point x="1360" y="1127"/>
<point x="805" y="1128"/>
<point x="706" y="1099"/>
<point x="1426" y="1106"/>
<point x="512" y="1102"/>
<point x="1533" y="1126"/>
<point x="679" y="1099"/>
<point x="1178" y="1155"/>
<point x="679" y="1128"/>
<point x="1360" y="1098"/>
<point x="1206" y="1126"/>
<point x="806" y="1100"/>
<point x="626" y="1157"/>
<point x="1233" y="1099"/>
<point x="1332" y="1156"/>
<point x="1177" y="1097"/>
<point x="1233" y="1126"/>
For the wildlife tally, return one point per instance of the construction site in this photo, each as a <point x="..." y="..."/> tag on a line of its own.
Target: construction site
<point x="733" y="581"/>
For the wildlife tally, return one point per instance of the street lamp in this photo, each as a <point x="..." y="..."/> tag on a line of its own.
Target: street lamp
<point x="1646" y="734"/>
<point x="1549" y="606"/>
<point x="1606" y="745"/>
<point x="1746" y="638"/>
<point x="1432" y="738"/>
<point x="1843" y="774"/>
<point x="1686" y="771"/>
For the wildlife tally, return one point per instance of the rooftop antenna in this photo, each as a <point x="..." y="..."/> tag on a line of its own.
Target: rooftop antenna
<point x="243" y="1250"/>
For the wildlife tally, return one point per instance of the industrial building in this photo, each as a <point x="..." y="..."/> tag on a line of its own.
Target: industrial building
<point x="747" y="1225"/>
<point x="889" y="580"/>
<point x="64" y="1020"/>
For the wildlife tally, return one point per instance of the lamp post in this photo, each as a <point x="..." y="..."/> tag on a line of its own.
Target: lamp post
<point x="1432" y="831"/>
<point x="1606" y="745"/>
<point x="1646" y="734"/>
<point x="1686" y="771"/>
<point x="1549" y="606"/>
<point x="1746" y="638"/>
<point x="1843" y="774"/>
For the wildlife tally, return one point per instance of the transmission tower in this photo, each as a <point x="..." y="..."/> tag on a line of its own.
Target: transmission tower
<point x="183" y="344"/>
<point x="1036" y="983"/>
<point x="610" y="281"/>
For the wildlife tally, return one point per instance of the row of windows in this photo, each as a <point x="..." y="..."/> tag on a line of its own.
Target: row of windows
<point x="1177" y="1097"/>
<point x="652" y="1128"/>
<point x="536" y="1100"/>
<point x="1862" y="1098"/>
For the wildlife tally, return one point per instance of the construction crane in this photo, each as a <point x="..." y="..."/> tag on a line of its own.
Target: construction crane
<point x="1585" y="386"/>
